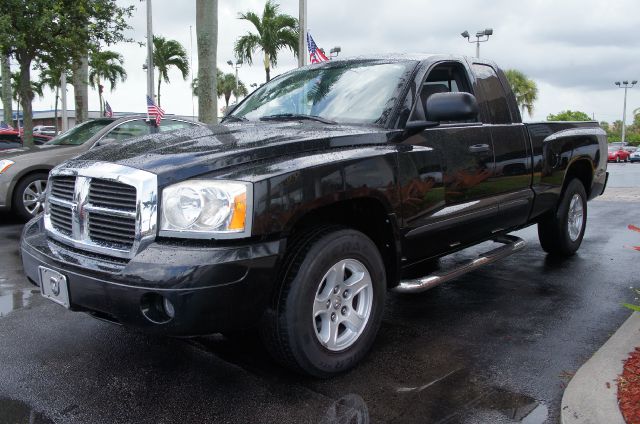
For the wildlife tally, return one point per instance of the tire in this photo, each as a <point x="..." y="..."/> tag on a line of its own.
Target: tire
<point x="561" y="233"/>
<point x="29" y="195"/>
<point x="309" y="329"/>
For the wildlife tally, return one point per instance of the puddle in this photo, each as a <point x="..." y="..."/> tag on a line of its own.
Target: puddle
<point x="16" y="412"/>
<point x="12" y="298"/>
<point x="517" y="407"/>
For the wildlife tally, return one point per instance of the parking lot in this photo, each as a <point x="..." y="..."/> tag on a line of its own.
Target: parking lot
<point x="497" y="345"/>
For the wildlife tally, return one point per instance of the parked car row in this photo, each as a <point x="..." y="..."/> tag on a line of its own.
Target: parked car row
<point x="13" y="139"/>
<point x="24" y="171"/>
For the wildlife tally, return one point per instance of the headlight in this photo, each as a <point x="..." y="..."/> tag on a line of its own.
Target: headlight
<point x="207" y="209"/>
<point x="5" y="164"/>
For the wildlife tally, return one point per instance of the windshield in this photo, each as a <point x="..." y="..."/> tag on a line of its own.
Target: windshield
<point x="351" y="92"/>
<point x="80" y="133"/>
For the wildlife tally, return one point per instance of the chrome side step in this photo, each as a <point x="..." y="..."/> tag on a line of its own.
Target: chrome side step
<point x="511" y="245"/>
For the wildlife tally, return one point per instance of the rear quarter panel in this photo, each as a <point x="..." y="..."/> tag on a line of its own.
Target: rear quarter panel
<point x="558" y="145"/>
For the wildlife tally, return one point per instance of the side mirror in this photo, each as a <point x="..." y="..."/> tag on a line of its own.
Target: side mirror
<point x="105" y="141"/>
<point x="451" y="107"/>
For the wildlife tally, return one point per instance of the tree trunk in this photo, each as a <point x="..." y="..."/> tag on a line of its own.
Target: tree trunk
<point x="159" y="82"/>
<point x="207" y="34"/>
<point x="6" y="89"/>
<point x="81" y="89"/>
<point x="267" y="67"/>
<point x="26" y="97"/>
<point x="55" y="110"/>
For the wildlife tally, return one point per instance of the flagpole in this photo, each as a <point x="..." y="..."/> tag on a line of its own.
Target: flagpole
<point x="302" y="36"/>
<point x="150" y="87"/>
<point x="193" y="104"/>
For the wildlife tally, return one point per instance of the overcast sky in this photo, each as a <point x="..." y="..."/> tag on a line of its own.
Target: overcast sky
<point x="574" y="49"/>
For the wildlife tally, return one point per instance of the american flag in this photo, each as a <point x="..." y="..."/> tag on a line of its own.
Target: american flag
<point x="154" y="110"/>
<point x="315" y="54"/>
<point x="108" y="112"/>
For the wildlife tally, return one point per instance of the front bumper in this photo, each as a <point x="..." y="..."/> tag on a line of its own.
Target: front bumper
<point x="212" y="289"/>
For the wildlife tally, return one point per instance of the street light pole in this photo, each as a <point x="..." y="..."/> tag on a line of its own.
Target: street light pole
<point x="626" y="86"/>
<point x="302" y="35"/>
<point x="479" y="38"/>
<point x="237" y="65"/>
<point x="150" y="86"/>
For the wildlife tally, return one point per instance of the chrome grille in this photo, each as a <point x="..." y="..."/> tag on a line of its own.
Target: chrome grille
<point x="102" y="208"/>
<point x="112" y="195"/>
<point x="63" y="187"/>
<point x="112" y="230"/>
<point x="61" y="219"/>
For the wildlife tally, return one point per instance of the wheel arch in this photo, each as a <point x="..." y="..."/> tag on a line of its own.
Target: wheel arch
<point x="365" y="214"/>
<point x="582" y="169"/>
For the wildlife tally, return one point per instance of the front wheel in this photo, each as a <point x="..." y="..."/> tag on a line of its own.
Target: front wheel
<point x="330" y="304"/>
<point x="561" y="233"/>
<point x="29" y="195"/>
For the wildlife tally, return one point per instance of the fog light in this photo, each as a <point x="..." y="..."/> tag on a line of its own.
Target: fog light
<point x="168" y="308"/>
<point x="156" y="308"/>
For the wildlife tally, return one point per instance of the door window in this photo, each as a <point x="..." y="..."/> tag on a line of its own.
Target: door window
<point x="494" y="94"/>
<point x="444" y="78"/>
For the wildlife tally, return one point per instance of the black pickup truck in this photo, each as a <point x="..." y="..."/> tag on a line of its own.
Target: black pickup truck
<point x="321" y="191"/>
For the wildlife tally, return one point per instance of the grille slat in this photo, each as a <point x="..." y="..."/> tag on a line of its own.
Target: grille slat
<point x="112" y="195"/>
<point x="125" y="233"/>
<point x="97" y="233"/>
<point x="63" y="187"/>
<point x="112" y="219"/>
<point x="61" y="218"/>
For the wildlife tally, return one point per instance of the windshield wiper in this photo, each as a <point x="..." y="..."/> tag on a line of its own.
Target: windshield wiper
<point x="234" y="118"/>
<point x="296" y="116"/>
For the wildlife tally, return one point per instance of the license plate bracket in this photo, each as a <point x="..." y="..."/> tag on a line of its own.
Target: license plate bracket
<point x="54" y="286"/>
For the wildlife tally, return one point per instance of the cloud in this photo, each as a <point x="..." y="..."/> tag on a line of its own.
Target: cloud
<point x="573" y="49"/>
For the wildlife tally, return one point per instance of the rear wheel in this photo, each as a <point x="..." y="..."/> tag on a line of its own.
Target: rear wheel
<point x="561" y="233"/>
<point x="29" y="195"/>
<point x="330" y="305"/>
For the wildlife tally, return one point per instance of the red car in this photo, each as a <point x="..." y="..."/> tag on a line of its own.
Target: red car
<point x="618" y="154"/>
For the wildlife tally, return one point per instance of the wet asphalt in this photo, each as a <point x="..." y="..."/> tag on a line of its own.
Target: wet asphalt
<point x="497" y="345"/>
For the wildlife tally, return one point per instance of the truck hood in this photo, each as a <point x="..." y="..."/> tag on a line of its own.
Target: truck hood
<point x="183" y="154"/>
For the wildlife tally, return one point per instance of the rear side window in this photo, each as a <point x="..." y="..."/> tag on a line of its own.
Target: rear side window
<point x="129" y="130"/>
<point x="494" y="94"/>
<point x="168" y="125"/>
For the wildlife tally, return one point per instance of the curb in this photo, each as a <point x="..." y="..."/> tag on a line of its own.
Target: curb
<point x="588" y="399"/>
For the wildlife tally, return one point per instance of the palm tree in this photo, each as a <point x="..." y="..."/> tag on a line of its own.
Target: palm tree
<point x="525" y="90"/>
<point x="51" y="78"/>
<point x="275" y="31"/>
<point x="168" y="53"/>
<point x="207" y="35"/>
<point x="219" y="75"/>
<point x="227" y="86"/>
<point x="106" y="65"/>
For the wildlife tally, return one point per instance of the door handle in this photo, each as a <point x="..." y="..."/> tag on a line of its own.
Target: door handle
<point x="479" y="148"/>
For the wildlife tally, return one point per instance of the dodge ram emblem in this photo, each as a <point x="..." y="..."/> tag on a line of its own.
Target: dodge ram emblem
<point x="55" y="286"/>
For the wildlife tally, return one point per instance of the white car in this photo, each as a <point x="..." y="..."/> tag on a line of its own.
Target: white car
<point x="635" y="156"/>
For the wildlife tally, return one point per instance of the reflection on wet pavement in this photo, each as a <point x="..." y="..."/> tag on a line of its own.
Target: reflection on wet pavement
<point x="16" y="412"/>
<point x="12" y="297"/>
